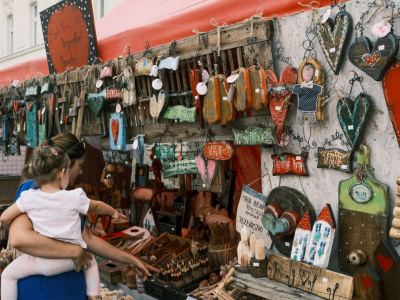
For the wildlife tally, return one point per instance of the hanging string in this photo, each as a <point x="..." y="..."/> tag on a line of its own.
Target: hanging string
<point x="215" y="23"/>
<point x="256" y="17"/>
<point x="314" y="10"/>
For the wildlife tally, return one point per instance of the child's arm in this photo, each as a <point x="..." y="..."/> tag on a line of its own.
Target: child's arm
<point x="101" y="208"/>
<point x="9" y="215"/>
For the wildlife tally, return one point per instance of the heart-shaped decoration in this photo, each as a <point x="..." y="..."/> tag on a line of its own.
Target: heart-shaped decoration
<point x="29" y="106"/>
<point x="334" y="37"/>
<point x="96" y="104"/>
<point x="361" y="177"/>
<point x="283" y="157"/>
<point x="366" y="282"/>
<point x="374" y="59"/>
<point x="360" y="168"/>
<point x="385" y="262"/>
<point x="274" y="210"/>
<point x="158" y="107"/>
<point x="371" y="59"/>
<point x="179" y="157"/>
<point x="207" y="170"/>
<point x="115" y="130"/>
<point x="275" y="226"/>
<point x="353" y="117"/>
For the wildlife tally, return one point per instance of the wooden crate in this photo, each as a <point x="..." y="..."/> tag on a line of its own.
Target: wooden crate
<point x="110" y="271"/>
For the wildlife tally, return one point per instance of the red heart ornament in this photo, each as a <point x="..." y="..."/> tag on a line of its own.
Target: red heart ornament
<point x="15" y="105"/>
<point x="360" y="168"/>
<point x="366" y="282"/>
<point x="371" y="59"/>
<point x="361" y="177"/>
<point x="180" y="157"/>
<point x="29" y="106"/>
<point x="115" y="130"/>
<point x="385" y="262"/>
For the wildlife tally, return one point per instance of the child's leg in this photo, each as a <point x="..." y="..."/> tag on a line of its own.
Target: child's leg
<point x="92" y="280"/>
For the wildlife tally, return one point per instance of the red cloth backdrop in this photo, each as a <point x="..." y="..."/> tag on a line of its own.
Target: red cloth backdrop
<point x="160" y="22"/>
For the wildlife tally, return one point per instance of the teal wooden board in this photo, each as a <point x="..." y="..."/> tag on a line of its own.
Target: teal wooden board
<point x="32" y="125"/>
<point x="187" y="165"/>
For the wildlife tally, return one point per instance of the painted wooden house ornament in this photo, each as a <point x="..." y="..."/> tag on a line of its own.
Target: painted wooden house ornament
<point x="310" y="89"/>
<point x="280" y="95"/>
<point x="302" y="238"/>
<point x="319" y="249"/>
<point x="117" y="131"/>
<point x="333" y="38"/>
<point x="363" y="213"/>
<point x="288" y="163"/>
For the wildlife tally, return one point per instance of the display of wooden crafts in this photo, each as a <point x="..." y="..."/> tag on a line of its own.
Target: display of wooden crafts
<point x="288" y="163"/>
<point x="302" y="237"/>
<point x="259" y="91"/>
<point x="212" y="103"/>
<point x="129" y="87"/>
<point x="387" y="265"/>
<point x="336" y="159"/>
<point x="333" y="38"/>
<point x="228" y="112"/>
<point x="242" y="96"/>
<point x="195" y="78"/>
<point x="180" y="112"/>
<point x="118" y="131"/>
<point x="31" y="111"/>
<point x="353" y="118"/>
<point x="318" y="78"/>
<point x="219" y="150"/>
<point x="280" y="96"/>
<point x="363" y="213"/>
<point x="395" y="230"/>
<point x="374" y="58"/>
<point x="390" y="86"/>
<point x="318" y="251"/>
<point x="255" y="136"/>
<point x="158" y="105"/>
<point x="367" y="284"/>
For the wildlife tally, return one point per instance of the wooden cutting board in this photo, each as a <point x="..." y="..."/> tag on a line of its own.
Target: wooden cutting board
<point x="363" y="213"/>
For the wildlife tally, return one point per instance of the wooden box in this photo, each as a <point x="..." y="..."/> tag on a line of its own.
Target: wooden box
<point x="110" y="271"/>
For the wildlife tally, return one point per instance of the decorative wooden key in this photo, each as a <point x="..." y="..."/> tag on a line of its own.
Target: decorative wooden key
<point x="367" y="283"/>
<point x="212" y="103"/>
<point x="259" y="91"/>
<point x="242" y="97"/>
<point x="363" y="213"/>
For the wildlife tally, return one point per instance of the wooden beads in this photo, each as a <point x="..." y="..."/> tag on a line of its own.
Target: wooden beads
<point x="395" y="230"/>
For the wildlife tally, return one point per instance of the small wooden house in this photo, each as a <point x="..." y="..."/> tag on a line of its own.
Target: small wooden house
<point x="301" y="238"/>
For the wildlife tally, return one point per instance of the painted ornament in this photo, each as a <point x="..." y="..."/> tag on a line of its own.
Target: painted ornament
<point x="301" y="238"/>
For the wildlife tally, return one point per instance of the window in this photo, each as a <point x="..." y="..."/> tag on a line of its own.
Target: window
<point x="34" y="14"/>
<point x="10" y="34"/>
<point x="101" y="8"/>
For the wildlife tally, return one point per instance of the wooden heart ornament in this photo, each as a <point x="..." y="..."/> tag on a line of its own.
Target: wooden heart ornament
<point x="374" y="59"/>
<point x="366" y="282"/>
<point x="385" y="262"/>
<point x="96" y="104"/>
<point x="334" y="37"/>
<point x="158" y="106"/>
<point x="353" y="117"/>
<point x="207" y="170"/>
<point x="115" y="130"/>
<point x="275" y="226"/>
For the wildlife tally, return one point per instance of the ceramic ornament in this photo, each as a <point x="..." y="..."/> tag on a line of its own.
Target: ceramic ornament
<point x="374" y="58"/>
<point x="301" y="238"/>
<point x="319" y="249"/>
<point x="333" y="38"/>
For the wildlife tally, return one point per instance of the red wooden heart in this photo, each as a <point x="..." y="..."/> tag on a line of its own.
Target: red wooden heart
<point x="180" y="157"/>
<point x="360" y="168"/>
<point x="385" y="262"/>
<point x="29" y="106"/>
<point x="361" y="177"/>
<point x="366" y="282"/>
<point x="115" y="130"/>
<point x="371" y="59"/>
<point x="15" y="105"/>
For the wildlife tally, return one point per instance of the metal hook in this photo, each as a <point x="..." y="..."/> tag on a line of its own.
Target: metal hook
<point x="329" y="290"/>
<point x="147" y="49"/>
<point x="275" y="269"/>
<point x="172" y="49"/>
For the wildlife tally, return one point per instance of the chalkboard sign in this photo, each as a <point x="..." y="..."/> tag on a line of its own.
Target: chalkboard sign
<point x="116" y="157"/>
<point x="255" y="136"/>
<point x="69" y="35"/>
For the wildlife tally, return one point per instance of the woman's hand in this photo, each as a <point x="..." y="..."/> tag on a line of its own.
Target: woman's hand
<point x="117" y="216"/>
<point x="82" y="260"/>
<point x="141" y="268"/>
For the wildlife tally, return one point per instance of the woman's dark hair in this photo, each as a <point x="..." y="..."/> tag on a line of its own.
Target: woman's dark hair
<point x="46" y="162"/>
<point x="67" y="142"/>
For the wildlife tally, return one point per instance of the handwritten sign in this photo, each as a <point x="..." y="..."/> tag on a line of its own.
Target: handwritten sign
<point x="219" y="150"/>
<point x="166" y="152"/>
<point x="69" y="35"/>
<point x="250" y="210"/>
<point x="113" y="93"/>
<point x="180" y="112"/>
<point x="187" y="165"/>
<point x="335" y="159"/>
<point x="171" y="63"/>
<point x="288" y="163"/>
<point x="255" y="136"/>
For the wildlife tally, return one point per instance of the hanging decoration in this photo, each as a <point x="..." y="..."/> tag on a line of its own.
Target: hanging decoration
<point x="117" y="131"/>
<point x="158" y="105"/>
<point x="288" y="163"/>
<point x="259" y="91"/>
<point x="255" y="136"/>
<point x="302" y="238"/>
<point x="31" y="111"/>
<point x="219" y="150"/>
<point x="242" y="90"/>
<point x="195" y="79"/>
<point x="335" y="158"/>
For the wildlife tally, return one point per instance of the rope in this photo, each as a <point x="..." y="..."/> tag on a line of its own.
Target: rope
<point x="257" y="16"/>
<point x="215" y="23"/>
<point x="314" y="10"/>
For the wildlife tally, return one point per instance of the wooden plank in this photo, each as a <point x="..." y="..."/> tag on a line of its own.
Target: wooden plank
<point x="231" y="64"/>
<point x="239" y="56"/>
<point x="321" y="282"/>
<point x="224" y="66"/>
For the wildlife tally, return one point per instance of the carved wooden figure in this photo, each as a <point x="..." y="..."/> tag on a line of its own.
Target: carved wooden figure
<point x="302" y="238"/>
<point x="319" y="249"/>
<point x="259" y="91"/>
<point x="228" y="112"/>
<point x="363" y="213"/>
<point x="316" y="74"/>
<point x="212" y="103"/>
<point x="195" y="78"/>
<point x="335" y="159"/>
<point x="387" y="265"/>
<point x="280" y="96"/>
<point x="288" y="163"/>
<point x="367" y="283"/>
<point x="374" y="58"/>
<point x="242" y="97"/>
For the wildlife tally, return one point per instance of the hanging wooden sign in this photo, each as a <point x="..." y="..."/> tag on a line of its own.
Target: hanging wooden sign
<point x="259" y="91"/>
<point x="390" y="84"/>
<point x="212" y="103"/>
<point x="32" y="91"/>
<point x="170" y="63"/>
<point x="187" y="165"/>
<point x="353" y="117"/>
<point x="32" y="124"/>
<point x="143" y="66"/>
<point x="116" y="157"/>
<point x="288" y="163"/>
<point x="113" y="93"/>
<point x="129" y="90"/>
<point x="107" y="72"/>
<point x="242" y="96"/>
<point x="280" y="96"/>
<point x="195" y="79"/>
<point x="228" y="113"/>
<point x="249" y="212"/>
<point x="166" y="152"/>
<point x="374" y="58"/>
<point x="45" y="88"/>
<point x="117" y="131"/>
<point x="97" y="102"/>
<point x="255" y="136"/>
<point x="367" y="284"/>
<point x="363" y="213"/>
<point x="335" y="159"/>
<point x="158" y="106"/>
<point x="69" y="35"/>
<point x="219" y="150"/>
<point x="182" y="113"/>
<point x="333" y="38"/>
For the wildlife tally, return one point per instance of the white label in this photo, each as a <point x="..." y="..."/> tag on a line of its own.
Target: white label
<point x="298" y="157"/>
<point x="287" y="244"/>
<point x="135" y="144"/>
<point x="44" y="109"/>
<point x="225" y="98"/>
<point x="350" y="127"/>
<point x="196" y="97"/>
<point x="344" y="166"/>
<point x="381" y="47"/>
<point x="204" y="185"/>
<point x="316" y="73"/>
<point x="56" y="108"/>
<point x="332" y="50"/>
<point x="325" y="280"/>
<point x="61" y="122"/>
<point x="256" y="264"/>
<point x="277" y="108"/>
<point x="257" y="90"/>
<point x="325" y="16"/>
<point x="232" y="78"/>
<point x="118" y="108"/>
<point x="99" y="83"/>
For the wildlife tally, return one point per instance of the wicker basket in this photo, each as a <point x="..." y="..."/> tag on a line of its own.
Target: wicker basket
<point x="220" y="255"/>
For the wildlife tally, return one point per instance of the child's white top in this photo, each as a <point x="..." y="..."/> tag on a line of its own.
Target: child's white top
<point x="56" y="215"/>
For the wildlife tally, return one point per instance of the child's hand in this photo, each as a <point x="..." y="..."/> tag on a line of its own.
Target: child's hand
<point x="117" y="216"/>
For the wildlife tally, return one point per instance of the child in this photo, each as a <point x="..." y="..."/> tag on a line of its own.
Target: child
<point x="54" y="212"/>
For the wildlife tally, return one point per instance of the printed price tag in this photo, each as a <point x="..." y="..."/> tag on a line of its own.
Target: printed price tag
<point x="257" y="90"/>
<point x="344" y="166"/>
<point x="325" y="280"/>
<point x="277" y="108"/>
<point x="196" y="97"/>
<point x="298" y="157"/>
<point x="287" y="244"/>
<point x="316" y="73"/>
<point x="256" y="264"/>
<point x="225" y="98"/>
<point x="381" y="47"/>
<point x="332" y="50"/>
<point x="350" y="127"/>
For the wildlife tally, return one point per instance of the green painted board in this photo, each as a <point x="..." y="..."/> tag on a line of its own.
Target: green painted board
<point x="166" y="152"/>
<point x="363" y="213"/>
<point x="180" y="112"/>
<point x="187" y="165"/>
<point x="255" y="136"/>
<point x="32" y="124"/>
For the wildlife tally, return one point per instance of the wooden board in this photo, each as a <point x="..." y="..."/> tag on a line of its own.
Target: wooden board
<point x="110" y="271"/>
<point x="387" y="265"/>
<point x="219" y="150"/>
<point x="363" y="213"/>
<point x="32" y="124"/>
<point x="367" y="284"/>
<point x="324" y="283"/>
<point x="255" y="136"/>
<point x="336" y="159"/>
<point x="289" y="163"/>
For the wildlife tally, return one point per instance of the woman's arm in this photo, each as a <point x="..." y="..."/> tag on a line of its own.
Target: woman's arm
<point x="101" y="208"/>
<point x="9" y="215"/>
<point x="105" y="250"/>
<point x="25" y="239"/>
